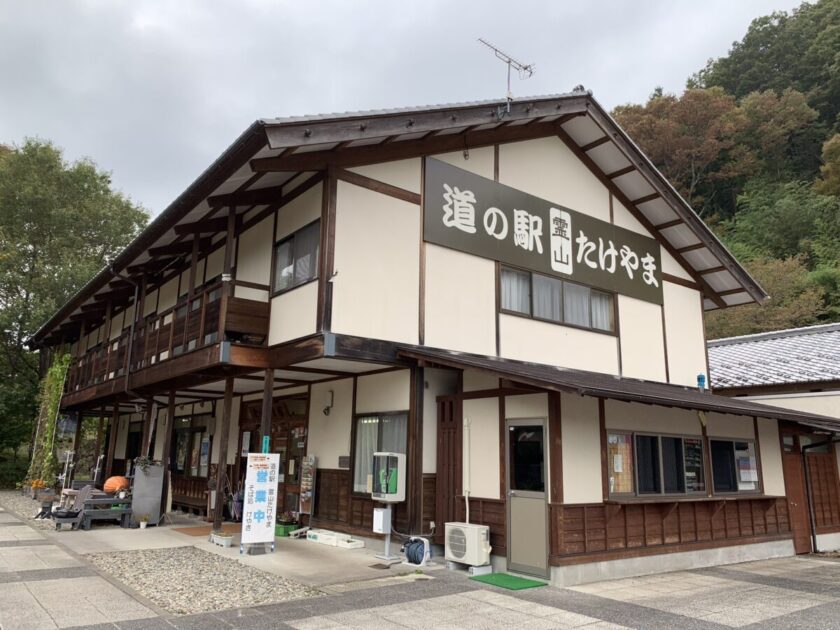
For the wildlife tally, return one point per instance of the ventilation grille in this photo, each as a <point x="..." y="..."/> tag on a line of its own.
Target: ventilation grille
<point x="457" y="542"/>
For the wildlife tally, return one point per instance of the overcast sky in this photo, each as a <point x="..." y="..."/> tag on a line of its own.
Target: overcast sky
<point x="153" y="91"/>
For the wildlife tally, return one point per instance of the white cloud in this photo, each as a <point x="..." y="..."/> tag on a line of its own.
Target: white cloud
<point x="154" y="90"/>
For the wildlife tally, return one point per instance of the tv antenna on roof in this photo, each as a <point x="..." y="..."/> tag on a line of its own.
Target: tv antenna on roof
<point x="525" y="71"/>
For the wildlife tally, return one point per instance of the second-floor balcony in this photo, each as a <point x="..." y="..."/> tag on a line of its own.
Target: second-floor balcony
<point x="198" y="321"/>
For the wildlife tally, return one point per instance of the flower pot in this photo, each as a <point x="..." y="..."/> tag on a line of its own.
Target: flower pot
<point x="143" y="524"/>
<point x="283" y="530"/>
<point x="225" y="540"/>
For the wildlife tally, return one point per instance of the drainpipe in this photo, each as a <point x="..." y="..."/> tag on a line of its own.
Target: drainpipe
<point x="808" y="497"/>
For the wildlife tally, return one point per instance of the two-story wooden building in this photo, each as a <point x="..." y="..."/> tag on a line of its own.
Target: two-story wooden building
<point x="509" y="293"/>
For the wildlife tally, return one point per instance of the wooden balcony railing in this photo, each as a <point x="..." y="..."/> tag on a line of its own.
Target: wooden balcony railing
<point x="205" y="319"/>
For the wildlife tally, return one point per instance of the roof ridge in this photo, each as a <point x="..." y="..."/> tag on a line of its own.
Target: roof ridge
<point x="776" y="334"/>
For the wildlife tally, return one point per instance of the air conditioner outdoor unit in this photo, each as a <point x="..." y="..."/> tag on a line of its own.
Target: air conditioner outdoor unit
<point x="468" y="543"/>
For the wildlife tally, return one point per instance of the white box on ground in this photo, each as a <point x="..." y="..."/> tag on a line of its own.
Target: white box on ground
<point x="381" y="520"/>
<point x="322" y="537"/>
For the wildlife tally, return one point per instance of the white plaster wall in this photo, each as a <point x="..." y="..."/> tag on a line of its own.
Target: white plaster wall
<point x="293" y="314"/>
<point x="401" y="173"/>
<point x="481" y="447"/>
<point x="250" y="293"/>
<point x="253" y="262"/>
<point x="475" y="380"/>
<point x="123" y="423"/>
<point x="215" y="263"/>
<point x="460" y="301"/>
<point x="542" y="342"/>
<point x="150" y="305"/>
<point x="622" y="217"/>
<point x="581" y="449"/>
<point x="547" y="168"/>
<point x="720" y="425"/>
<point x="671" y="266"/>
<point x="771" y="457"/>
<point x="117" y="325"/>
<point x="162" y="426"/>
<point x="684" y="334"/>
<point x="636" y="417"/>
<point x="300" y="212"/>
<point x="388" y="391"/>
<point x="435" y="383"/>
<point x="377" y="259"/>
<point x="128" y="316"/>
<point x="642" y="339"/>
<point x="823" y="403"/>
<point x="329" y="436"/>
<point x="184" y="284"/>
<point x="481" y="161"/>
<point x="527" y="406"/>
<point x="168" y="294"/>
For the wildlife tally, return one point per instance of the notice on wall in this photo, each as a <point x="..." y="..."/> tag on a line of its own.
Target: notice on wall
<point x="260" y="501"/>
<point x="307" y="484"/>
<point x="473" y="214"/>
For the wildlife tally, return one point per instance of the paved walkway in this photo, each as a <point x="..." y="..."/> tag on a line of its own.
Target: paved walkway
<point x="43" y="584"/>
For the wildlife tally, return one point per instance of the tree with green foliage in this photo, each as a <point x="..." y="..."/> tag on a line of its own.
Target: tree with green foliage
<point x="796" y="300"/>
<point x="799" y="50"/>
<point x="829" y="182"/>
<point x="60" y="223"/>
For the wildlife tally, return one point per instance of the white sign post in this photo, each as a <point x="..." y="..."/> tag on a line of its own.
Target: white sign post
<point x="260" y="502"/>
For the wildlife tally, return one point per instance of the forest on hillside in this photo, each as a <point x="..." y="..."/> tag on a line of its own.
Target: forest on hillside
<point x="753" y="145"/>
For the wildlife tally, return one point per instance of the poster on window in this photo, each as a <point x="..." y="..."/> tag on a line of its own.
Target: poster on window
<point x="473" y="214"/>
<point x="260" y="501"/>
<point x="747" y="470"/>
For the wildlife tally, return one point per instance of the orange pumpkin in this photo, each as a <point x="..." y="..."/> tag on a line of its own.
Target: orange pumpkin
<point x="115" y="484"/>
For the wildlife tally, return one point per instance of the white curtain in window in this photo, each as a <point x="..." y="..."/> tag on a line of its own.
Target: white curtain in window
<point x="548" y="298"/>
<point x="283" y="266"/>
<point x="394" y="433"/>
<point x="576" y="304"/>
<point x="306" y="253"/>
<point x="516" y="291"/>
<point x="367" y="434"/>
<point x="602" y="311"/>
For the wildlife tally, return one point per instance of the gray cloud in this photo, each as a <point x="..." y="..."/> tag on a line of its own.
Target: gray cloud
<point x="154" y="90"/>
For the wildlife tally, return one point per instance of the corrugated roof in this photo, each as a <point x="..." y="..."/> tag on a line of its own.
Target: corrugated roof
<point x="615" y="387"/>
<point x="797" y="355"/>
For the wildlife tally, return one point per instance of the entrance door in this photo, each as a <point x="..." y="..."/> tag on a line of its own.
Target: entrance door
<point x="527" y="530"/>
<point x="794" y="471"/>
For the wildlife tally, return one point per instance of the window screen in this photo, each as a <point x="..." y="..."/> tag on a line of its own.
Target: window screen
<point x="296" y="258"/>
<point x="548" y="298"/>
<point x="672" y="465"/>
<point x="723" y="466"/>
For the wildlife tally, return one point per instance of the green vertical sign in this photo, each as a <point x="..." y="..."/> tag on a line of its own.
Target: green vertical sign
<point x="265" y="443"/>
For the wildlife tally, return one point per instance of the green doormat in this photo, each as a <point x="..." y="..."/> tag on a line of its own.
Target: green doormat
<point x="508" y="581"/>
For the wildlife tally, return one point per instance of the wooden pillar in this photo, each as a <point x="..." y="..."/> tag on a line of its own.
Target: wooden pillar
<point x="100" y="433"/>
<point x="228" y="261"/>
<point x="193" y="266"/>
<point x="147" y="428"/>
<point x="77" y="446"/>
<point x="268" y="398"/>
<point x="221" y="468"/>
<point x="415" y="451"/>
<point x="167" y="451"/>
<point x="112" y="439"/>
<point x="326" y="260"/>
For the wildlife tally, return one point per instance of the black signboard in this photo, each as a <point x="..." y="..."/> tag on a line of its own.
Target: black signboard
<point x="473" y="214"/>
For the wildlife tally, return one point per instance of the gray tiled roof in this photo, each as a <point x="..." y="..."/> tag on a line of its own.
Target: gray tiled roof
<point x="797" y="355"/>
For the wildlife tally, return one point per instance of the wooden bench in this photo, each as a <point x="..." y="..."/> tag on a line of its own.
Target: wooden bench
<point x="105" y="509"/>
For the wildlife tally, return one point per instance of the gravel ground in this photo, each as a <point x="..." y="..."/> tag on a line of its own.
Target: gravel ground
<point x="187" y="580"/>
<point x="25" y="507"/>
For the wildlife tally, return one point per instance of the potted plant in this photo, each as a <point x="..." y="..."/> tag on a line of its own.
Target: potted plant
<point x="144" y="520"/>
<point x="287" y="522"/>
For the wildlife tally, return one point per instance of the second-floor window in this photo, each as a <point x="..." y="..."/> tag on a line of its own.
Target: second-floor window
<point x="550" y="299"/>
<point x="296" y="258"/>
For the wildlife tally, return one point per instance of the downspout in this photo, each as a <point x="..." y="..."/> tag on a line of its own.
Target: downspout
<point x="808" y="497"/>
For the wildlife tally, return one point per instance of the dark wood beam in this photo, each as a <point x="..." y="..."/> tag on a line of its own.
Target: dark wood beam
<point x="621" y="171"/>
<point x="712" y="270"/>
<point x="691" y="248"/>
<point x="646" y="198"/>
<point x="205" y="226"/>
<point x="308" y="133"/>
<point x="368" y="154"/>
<point x="669" y="224"/>
<point x="595" y="143"/>
<point x="257" y="197"/>
<point x="177" y="249"/>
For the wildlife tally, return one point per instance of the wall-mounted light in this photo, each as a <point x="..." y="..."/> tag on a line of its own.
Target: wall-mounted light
<point x="329" y="398"/>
